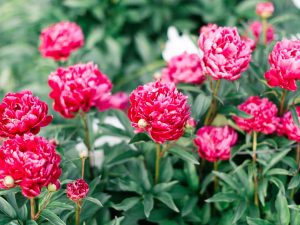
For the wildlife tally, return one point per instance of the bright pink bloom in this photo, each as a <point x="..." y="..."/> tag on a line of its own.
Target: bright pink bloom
<point x="250" y="42"/>
<point x="160" y="109"/>
<point x="288" y="127"/>
<point x="77" y="190"/>
<point x="31" y="161"/>
<point x="215" y="143"/>
<point x="119" y="101"/>
<point x="59" y="40"/>
<point x="225" y="54"/>
<point x="22" y="113"/>
<point x="256" y="30"/>
<point x="264" y="9"/>
<point x="184" y="68"/>
<point x="264" y="115"/>
<point x="79" y="87"/>
<point x="191" y="122"/>
<point x="285" y="66"/>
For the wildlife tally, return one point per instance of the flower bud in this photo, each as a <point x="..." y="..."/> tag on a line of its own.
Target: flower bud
<point x="264" y="9"/>
<point x="9" y="181"/>
<point x="53" y="187"/>
<point x="142" y="123"/>
<point x="83" y="154"/>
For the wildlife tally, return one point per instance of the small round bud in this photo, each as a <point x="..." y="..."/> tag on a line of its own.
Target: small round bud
<point x="142" y="123"/>
<point x="53" y="187"/>
<point x="83" y="154"/>
<point x="157" y="75"/>
<point x="9" y="181"/>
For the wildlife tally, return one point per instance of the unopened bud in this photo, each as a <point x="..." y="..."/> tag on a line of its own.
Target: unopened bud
<point x="157" y="75"/>
<point x="142" y="123"/>
<point x="9" y="181"/>
<point x="53" y="187"/>
<point x="83" y="154"/>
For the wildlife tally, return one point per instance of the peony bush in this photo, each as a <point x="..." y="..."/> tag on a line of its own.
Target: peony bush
<point x="208" y="135"/>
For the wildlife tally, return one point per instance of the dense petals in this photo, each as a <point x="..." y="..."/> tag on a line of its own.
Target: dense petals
<point x="288" y="127"/>
<point x="22" y="113"/>
<point x="214" y="143"/>
<point x="59" y="40"/>
<point x="159" y="109"/>
<point x="256" y="30"/>
<point x="77" y="190"/>
<point x="31" y="161"/>
<point x="264" y="115"/>
<point x="225" y="54"/>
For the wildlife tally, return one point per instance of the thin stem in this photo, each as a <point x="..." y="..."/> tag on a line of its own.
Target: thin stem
<point x="297" y="161"/>
<point x="48" y="197"/>
<point x="85" y="122"/>
<point x="281" y="111"/>
<point x="264" y="30"/>
<point x="78" y="210"/>
<point x="82" y="167"/>
<point x="213" y="106"/>
<point x="216" y="178"/>
<point x="255" y="180"/>
<point x="32" y="208"/>
<point x="156" y="179"/>
<point x="165" y="149"/>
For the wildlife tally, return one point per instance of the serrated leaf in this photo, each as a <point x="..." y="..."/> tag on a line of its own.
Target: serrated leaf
<point x="167" y="199"/>
<point x="127" y="203"/>
<point x="148" y="204"/>
<point x="185" y="155"/>
<point x="51" y="217"/>
<point x="140" y="137"/>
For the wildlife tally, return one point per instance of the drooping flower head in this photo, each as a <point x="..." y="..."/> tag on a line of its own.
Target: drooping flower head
<point x="59" y="40"/>
<point x="184" y="68"/>
<point x="264" y="9"/>
<point x="81" y="87"/>
<point x="160" y="109"/>
<point x="77" y="190"/>
<point x="256" y="30"/>
<point x="22" y="113"/>
<point x="214" y="143"/>
<point x="225" y="54"/>
<point x="264" y="115"/>
<point x="30" y="162"/>
<point x="284" y="65"/>
<point x="288" y="127"/>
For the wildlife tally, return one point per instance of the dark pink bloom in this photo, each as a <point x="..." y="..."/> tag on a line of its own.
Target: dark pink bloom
<point x="79" y="87"/>
<point x="225" y="54"/>
<point x="288" y="127"/>
<point x="284" y="65"/>
<point x="31" y="162"/>
<point x="191" y="122"/>
<point x="256" y="30"/>
<point x="160" y="109"/>
<point x="264" y="115"/>
<point x="77" y="190"/>
<point x="264" y="9"/>
<point x="119" y="101"/>
<point x="214" y="143"/>
<point x="22" y="113"/>
<point x="59" y="40"/>
<point x="184" y="68"/>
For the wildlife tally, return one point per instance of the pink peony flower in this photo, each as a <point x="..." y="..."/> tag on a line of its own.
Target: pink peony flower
<point x="256" y="30"/>
<point x="215" y="143"/>
<point x="159" y="109"/>
<point x="285" y="66"/>
<point x="288" y="127"/>
<point x="184" y="68"/>
<point x="77" y="190"/>
<point x="59" y="40"/>
<point x="264" y="9"/>
<point x="30" y="162"/>
<point x="191" y="122"/>
<point x="119" y="101"/>
<point x="22" y="113"/>
<point x="249" y="42"/>
<point x="264" y="115"/>
<point x="225" y="54"/>
<point x="79" y="87"/>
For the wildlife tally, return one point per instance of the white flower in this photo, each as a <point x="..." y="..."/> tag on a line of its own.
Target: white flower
<point x="177" y="45"/>
<point x="296" y="3"/>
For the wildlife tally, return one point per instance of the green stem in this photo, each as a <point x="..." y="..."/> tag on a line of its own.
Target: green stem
<point x="77" y="216"/>
<point x="298" y="166"/>
<point x="32" y="208"/>
<point x="264" y="30"/>
<point x="255" y="180"/>
<point x="48" y="197"/>
<point x="283" y="95"/>
<point x="213" y="106"/>
<point x="216" y="182"/>
<point x="156" y="179"/>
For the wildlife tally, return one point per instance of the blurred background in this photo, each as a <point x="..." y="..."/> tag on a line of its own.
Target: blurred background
<point x="124" y="37"/>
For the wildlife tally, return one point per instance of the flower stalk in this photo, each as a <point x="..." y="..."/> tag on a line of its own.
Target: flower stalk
<point x="216" y="182"/>
<point x="255" y="180"/>
<point x="213" y="106"/>
<point x="78" y="211"/>
<point x="282" y="100"/>
<point x="157" y="162"/>
<point x="32" y="208"/>
<point x="48" y="197"/>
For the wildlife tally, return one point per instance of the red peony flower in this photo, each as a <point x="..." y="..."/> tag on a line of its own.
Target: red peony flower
<point x="285" y="66"/>
<point x="59" y="40"/>
<point x="22" y="113"/>
<point x="30" y="162"/>
<point x="79" y="87"/>
<point x="159" y="109"/>
<point x="225" y="54"/>
<point x="215" y="143"/>
<point x="288" y="127"/>
<point x="256" y="30"/>
<point x="184" y="68"/>
<point x="264" y="9"/>
<point x="264" y="115"/>
<point x="77" y="190"/>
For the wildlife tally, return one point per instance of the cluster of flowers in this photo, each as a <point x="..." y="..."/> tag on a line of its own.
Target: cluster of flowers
<point x="162" y="111"/>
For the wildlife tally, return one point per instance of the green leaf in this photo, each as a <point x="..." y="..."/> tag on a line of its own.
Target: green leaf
<point x="228" y="180"/>
<point x="189" y="206"/>
<point x="282" y="209"/>
<point x="51" y="217"/>
<point x="278" y="171"/>
<point x="31" y="222"/>
<point x="240" y="211"/>
<point x="201" y="104"/>
<point x="185" y="155"/>
<point x="140" y="137"/>
<point x="274" y="160"/>
<point x="233" y="111"/>
<point x="224" y="197"/>
<point x="295" y="116"/>
<point x="164" y="186"/>
<point x="11" y="190"/>
<point x="148" y="204"/>
<point x="167" y="199"/>
<point x="7" y="209"/>
<point x="126" y="204"/>
<point x="94" y="200"/>
<point x="257" y="221"/>
<point x="295" y="182"/>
